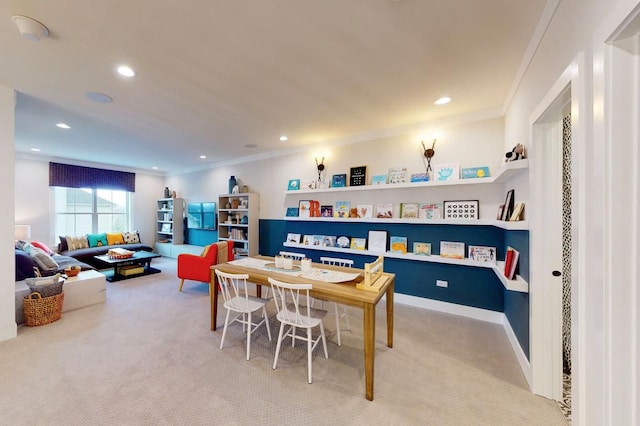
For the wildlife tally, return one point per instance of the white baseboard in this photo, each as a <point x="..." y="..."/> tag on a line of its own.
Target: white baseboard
<point x="450" y="308"/>
<point x="525" y="365"/>
<point x="474" y="313"/>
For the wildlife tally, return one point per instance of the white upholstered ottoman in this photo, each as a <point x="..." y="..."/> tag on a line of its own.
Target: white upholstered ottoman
<point x="85" y="289"/>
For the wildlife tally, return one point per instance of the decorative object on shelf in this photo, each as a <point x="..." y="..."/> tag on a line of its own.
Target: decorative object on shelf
<point x="329" y="241"/>
<point x="511" y="262"/>
<point x="244" y="220"/>
<point x="339" y="181"/>
<point x="507" y="210"/>
<point x="517" y="153"/>
<point x="294" y="185"/>
<point x="320" y="167"/>
<point x="518" y="212"/>
<point x="342" y="209"/>
<point x="228" y="205"/>
<point x="166" y="228"/>
<point x="428" y="154"/>
<point x="364" y="210"/>
<point x="452" y="250"/>
<point x="304" y="207"/>
<point x="377" y="241"/>
<point x="235" y="203"/>
<point x="379" y="180"/>
<point x="353" y="212"/>
<point x="500" y="210"/>
<point x="292" y="211"/>
<point x="358" y="243"/>
<point x="173" y="194"/>
<point x="310" y="184"/>
<point x="314" y="207"/>
<point x="343" y="242"/>
<point x="358" y="176"/>
<point x="482" y="254"/>
<point x="398" y="244"/>
<point x="461" y="209"/>
<point x="449" y="171"/>
<point x="326" y="211"/>
<point x="397" y="175"/>
<point x="423" y="249"/>
<point x="244" y="189"/>
<point x="409" y="210"/>
<point x="167" y="193"/>
<point x="307" y="240"/>
<point x="235" y="190"/>
<point x="318" y="240"/>
<point x="430" y="211"/>
<point x="384" y="211"/>
<point x="232" y="183"/>
<point x="293" y="238"/>
<point x="419" y="177"/>
<point x="475" y="172"/>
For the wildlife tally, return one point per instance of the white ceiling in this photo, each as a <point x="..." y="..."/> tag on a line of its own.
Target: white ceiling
<point x="217" y="75"/>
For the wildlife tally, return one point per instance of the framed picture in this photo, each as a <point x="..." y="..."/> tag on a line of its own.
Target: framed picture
<point x="451" y="250"/>
<point x="449" y="171"/>
<point x="326" y="211"/>
<point x="430" y="211"/>
<point x="507" y="211"/>
<point x="293" y="238"/>
<point x="461" y="209"/>
<point x="409" y="210"/>
<point x="398" y="244"/>
<point x="379" y="180"/>
<point x="342" y="209"/>
<point x="166" y="228"/>
<point x="304" y="208"/>
<point x="343" y="242"/>
<point x="500" y="209"/>
<point x="397" y="175"/>
<point x="419" y="177"/>
<point x="377" y="241"/>
<point x="292" y="211"/>
<point x="423" y="249"/>
<point x="475" y="172"/>
<point x="339" y="181"/>
<point x="294" y="185"/>
<point x="384" y="210"/>
<point x="365" y="210"/>
<point x="358" y="176"/>
<point x="482" y="254"/>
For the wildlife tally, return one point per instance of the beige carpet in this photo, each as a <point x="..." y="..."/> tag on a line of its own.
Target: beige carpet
<point x="147" y="357"/>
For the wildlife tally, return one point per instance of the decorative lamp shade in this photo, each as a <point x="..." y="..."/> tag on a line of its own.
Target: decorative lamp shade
<point x="22" y="232"/>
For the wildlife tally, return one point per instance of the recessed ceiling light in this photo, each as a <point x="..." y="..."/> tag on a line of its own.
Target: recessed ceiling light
<point x="284" y="138"/>
<point x="126" y="71"/>
<point x="63" y="126"/>
<point x="251" y="145"/>
<point x="155" y="167"/>
<point x="99" y="97"/>
<point x="35" y="149"/>
<point x="443" y="100"/>
<point x="203" y="156"/>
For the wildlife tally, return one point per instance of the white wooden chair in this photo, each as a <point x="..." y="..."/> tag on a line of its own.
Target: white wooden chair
<point x="347" y="263"/>
<point x="236" y="298"/>
<point x="288" y="299"/>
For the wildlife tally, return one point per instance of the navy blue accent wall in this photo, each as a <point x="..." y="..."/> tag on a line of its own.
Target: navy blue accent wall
<point x="516" y="304"/>
<point x="469" y="286"/>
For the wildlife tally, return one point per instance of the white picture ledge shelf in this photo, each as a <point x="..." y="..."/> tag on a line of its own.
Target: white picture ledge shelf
<point x="508" y="171"/>
<point x="519" y="284"/>
<point x="521" y="225"/>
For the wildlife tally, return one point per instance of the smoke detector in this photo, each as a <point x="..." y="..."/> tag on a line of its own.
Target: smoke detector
<point x="30" y="28"/>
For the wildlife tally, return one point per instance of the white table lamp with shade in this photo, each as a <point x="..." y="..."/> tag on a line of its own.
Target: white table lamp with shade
<point x="22" y="232"/>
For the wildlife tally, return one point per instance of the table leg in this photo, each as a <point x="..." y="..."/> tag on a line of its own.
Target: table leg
<point x="369" y="347"/>
<point x="213" y="298"/>
<point x="389" y="294"/>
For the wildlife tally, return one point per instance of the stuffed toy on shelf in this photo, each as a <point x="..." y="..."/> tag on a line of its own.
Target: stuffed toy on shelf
<point x="517" y="153"/>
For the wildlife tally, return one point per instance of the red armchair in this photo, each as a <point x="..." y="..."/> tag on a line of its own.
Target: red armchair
<point x="198" y="268"/>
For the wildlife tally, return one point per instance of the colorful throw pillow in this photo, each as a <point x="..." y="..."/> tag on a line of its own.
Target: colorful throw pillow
<point x="75" y="243"/>
<point x="131" y="238"/>
<point x="43" y="260"/>
<point x="42" y="246"/>
<point x="97" y="240"/>
<point x="114" y="239"/>
<point x="63" y="246"/>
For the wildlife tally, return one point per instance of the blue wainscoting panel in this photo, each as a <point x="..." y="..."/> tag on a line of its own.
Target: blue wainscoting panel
<point x="516" y="304"/>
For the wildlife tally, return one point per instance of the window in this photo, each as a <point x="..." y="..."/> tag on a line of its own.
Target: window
<point x="201" y="215"/>
<point x="81" y="211"/>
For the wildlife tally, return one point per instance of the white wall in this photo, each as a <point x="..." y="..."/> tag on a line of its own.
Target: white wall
<point x="33" y="200"/>
<point x="470" y="143"/>
<point x="8" y="327"/>
<point x="601" y="395"/>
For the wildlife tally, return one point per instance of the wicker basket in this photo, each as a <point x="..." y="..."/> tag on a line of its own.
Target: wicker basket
<point x="40" y="310"/>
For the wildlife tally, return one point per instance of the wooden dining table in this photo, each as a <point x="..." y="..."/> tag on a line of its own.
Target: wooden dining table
<point x="344" y="293"/>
